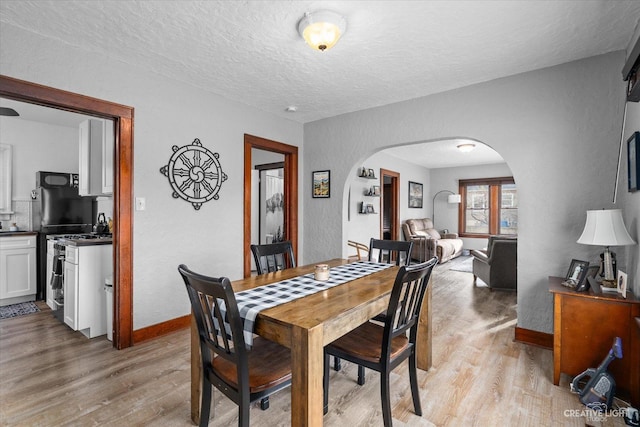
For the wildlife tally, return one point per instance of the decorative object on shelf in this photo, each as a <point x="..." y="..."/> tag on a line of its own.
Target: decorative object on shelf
<point x="322" y="29"/>
<point x="605" y="228"/>
<point x="415" y="195"/>
<point x="577" y="274"/>
<point x="194" y="173"/>
<point x="452" y="198"/>
<point x="366" y="173"/>
<point x="633" y="161"/>
<point x="373" y="191"/>
<point x="370" y="209"/>
<point x="321" y="184"/>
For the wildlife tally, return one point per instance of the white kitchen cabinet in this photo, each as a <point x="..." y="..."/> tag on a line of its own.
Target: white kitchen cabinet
<point x="108" y="151"/>
<point x="86" y="268"/>
<point x="96" y="148"/>
<point x="17" y="269"/>
<point x="71" y="295"/>
<point x="5" y="178"/>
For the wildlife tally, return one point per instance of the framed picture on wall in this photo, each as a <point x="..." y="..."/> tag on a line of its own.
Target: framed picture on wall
<point x="633" y="161"/>
<point x="415" y="195"/>
<point x="321" y="185"/>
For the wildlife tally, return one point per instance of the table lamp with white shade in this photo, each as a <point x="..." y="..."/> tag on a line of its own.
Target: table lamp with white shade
<point x="606" y="228"/>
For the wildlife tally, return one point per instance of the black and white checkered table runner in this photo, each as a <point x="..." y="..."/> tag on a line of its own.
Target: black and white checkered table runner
<point x="252" y="301"/>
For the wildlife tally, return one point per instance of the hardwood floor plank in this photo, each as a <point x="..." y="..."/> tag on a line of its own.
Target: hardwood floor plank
<point x="52" y="376"/>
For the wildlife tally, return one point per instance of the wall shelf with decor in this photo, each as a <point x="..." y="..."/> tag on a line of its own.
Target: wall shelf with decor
<point x="373" y="191"/>
<point x="366" y="209"/>
<point x="366" y="173"/>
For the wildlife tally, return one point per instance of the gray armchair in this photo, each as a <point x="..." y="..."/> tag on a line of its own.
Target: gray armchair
<point x="497" y="265"/>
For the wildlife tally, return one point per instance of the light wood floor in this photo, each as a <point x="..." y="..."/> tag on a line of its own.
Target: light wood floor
<point x="51" y="376"/>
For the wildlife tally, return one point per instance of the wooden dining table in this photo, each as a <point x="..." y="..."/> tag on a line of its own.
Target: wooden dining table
<point x="307" y="324"/>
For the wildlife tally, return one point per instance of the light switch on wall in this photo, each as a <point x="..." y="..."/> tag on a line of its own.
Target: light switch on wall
<point x="141" y="203"/>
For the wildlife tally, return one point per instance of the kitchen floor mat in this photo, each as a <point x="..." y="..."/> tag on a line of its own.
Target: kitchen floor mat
<point x="19" y="309"/>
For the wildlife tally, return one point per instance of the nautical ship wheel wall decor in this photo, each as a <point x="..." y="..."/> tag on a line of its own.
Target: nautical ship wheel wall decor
<point x="194" y="173"/>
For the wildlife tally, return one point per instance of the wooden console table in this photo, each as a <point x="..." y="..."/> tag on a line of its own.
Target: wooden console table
<point x="584" y="326"/>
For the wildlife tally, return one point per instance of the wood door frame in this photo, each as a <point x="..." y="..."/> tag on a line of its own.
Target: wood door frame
<point x="122" y="116"/>
<point x="395" y="203"/>
<point x="290" y="192"/>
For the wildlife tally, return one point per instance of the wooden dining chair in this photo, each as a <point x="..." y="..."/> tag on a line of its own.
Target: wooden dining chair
<point x="273" y="257"/>
<point x="388" y="251"/>
<point x="391" y="251"/>
<point x="243" y="375"/>
<point x="383" y="348"/>
<point x="361" y="249"/>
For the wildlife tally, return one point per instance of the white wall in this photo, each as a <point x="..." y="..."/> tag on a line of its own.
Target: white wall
<point x="362" y="228"/>
<point x="447" y="179"/>
<point x="628" y="257"/>
<point x="170" y="231"/>
<point x="630" y="202"/>
<point x="557" y="128"/>
<point x="38" y="147"/>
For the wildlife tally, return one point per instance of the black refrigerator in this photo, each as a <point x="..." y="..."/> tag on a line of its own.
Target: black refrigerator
<point x="58" y="209"/>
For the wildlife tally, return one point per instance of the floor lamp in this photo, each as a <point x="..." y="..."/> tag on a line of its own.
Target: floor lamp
<point x="453" y="198"/>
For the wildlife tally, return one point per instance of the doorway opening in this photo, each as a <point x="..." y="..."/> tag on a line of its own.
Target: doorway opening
<point x="289" y="190"/>
<point x="122" y="116"/>
<point x="390" y="218"/>
<point x="270" y="200"/>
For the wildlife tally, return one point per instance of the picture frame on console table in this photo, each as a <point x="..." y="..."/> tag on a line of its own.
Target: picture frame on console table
<point x="577" y="274"/>
<point x="633" y="161"/>
<point x="622" y="284"/>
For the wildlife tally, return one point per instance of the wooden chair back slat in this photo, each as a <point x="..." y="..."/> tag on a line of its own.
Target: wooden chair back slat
<point x="406" y="300"/>
<point x="391" y="251"/>
<point x="273" y="257"/>
<point x="220" y="335"/>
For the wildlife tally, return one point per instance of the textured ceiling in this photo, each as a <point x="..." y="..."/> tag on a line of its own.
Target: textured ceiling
<point x="250" y="51"/>
<point x="392" y="50"/>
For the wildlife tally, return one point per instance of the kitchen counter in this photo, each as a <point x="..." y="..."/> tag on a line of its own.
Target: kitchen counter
<point x="80" y="241"/>
<point x="89" y="242"/>
<point x="6" y="233"/>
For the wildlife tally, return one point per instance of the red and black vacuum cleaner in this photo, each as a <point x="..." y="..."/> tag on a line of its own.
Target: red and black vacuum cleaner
<point x="600" y="387"/>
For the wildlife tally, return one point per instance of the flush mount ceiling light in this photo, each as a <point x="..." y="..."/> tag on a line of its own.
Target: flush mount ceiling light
<point x="465" y="148"/>
<point x="322" y="29"/>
